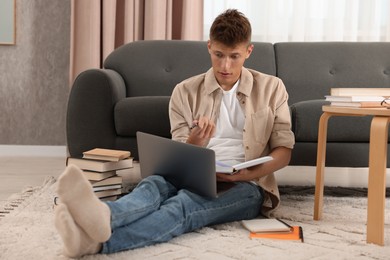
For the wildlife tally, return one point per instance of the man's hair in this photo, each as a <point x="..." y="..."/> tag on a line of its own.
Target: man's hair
<point x="231" y="28"/>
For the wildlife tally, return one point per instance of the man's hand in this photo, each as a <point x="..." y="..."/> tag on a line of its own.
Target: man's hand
<point x="241" y="175"/>
<point x="201" y="131"/>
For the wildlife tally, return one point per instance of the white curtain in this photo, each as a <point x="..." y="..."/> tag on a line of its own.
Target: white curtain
<point x="309" y="20"/>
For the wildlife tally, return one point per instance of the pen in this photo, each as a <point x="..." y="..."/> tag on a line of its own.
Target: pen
<point x="284" y="223"/>
<point x="301" y="234"/>
<point x="193" y="126"/>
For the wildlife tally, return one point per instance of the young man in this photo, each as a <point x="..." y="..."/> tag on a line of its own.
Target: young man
<point x="240" y="113"/>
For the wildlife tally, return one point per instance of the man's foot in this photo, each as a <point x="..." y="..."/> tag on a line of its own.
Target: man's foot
<point x="76" y="242"/>
<point x="92" y="215"/>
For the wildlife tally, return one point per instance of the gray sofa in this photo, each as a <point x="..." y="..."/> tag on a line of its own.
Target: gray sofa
<point x="108" y="106"/>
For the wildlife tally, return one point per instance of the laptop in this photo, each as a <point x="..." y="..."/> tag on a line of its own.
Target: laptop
<point x="184" y="165"/>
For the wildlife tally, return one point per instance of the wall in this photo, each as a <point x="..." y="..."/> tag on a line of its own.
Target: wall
<point x="34" y="75"/>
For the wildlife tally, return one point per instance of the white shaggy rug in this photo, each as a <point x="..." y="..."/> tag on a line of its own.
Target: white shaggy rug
<point x="27" y="232"/>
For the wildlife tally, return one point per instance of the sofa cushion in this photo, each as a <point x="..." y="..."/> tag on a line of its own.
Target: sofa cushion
<point x="305" y="118"/>
<point x="146" y="114"/>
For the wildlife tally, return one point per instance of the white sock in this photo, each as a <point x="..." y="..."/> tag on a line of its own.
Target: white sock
<point x="76" y="242"/>
<point x="91" y="214"/>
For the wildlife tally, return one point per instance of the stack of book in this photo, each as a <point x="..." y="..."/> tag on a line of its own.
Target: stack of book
<point x="100" y="167"/>
<point x="272" y="228"/>
<point x="359" y="97"/>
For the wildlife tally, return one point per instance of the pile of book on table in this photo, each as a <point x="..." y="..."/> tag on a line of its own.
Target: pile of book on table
<point x="359" y="97"/>
<point x="100" y="167"/>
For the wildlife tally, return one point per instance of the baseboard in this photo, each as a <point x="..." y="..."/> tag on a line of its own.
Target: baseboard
<point x="33" y="151"/>
<point x="333" y="176"/>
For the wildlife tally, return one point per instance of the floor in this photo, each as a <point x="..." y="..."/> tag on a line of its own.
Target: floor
<point x="19" y="172"/>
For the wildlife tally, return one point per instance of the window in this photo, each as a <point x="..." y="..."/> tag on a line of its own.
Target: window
<point x="308" y="20"/>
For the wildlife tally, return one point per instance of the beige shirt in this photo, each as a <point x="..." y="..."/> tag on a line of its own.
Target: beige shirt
<point x="263" y="99"/>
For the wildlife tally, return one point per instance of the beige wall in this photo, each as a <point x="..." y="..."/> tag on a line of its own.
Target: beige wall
<point x="34" y="75"/>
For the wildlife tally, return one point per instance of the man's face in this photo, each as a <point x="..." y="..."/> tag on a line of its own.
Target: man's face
<point x="227" y="62"/>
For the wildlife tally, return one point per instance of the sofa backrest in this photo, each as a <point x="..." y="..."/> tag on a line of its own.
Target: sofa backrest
<point x="153" y="68"/>
<point x="310" y="69"/>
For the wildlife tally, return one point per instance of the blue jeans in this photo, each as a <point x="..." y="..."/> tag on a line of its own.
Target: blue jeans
<point x="155" y="211"/>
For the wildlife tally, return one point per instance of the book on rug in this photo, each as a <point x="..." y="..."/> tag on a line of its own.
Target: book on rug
<point x="105" y="195"/>
<point x="295" y="234"/>
<point x="98" y="176"/>
<point x="266" y="225"/>
<point x="107" y="187"/>
<point x="106" y="154"/>
<point x="108" y="193"/>
<point x="110" y="198"/>
<point x="360" y="92"/>
<point x="110" y="184"/>
<point x="223" y="167"/>
<point x="113" y="180"/>
<point x="100" y="166"/>
<point x="272" y="228"/>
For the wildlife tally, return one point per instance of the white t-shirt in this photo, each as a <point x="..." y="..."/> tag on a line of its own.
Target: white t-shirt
<point x="227" y="141"/>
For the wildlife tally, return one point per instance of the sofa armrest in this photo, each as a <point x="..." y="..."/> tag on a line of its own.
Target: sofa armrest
<point x="304" y="119"/>
<point x="90" y="112"/>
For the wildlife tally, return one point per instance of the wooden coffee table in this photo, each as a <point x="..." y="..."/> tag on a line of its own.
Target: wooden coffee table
<point x="377" y="166"/>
